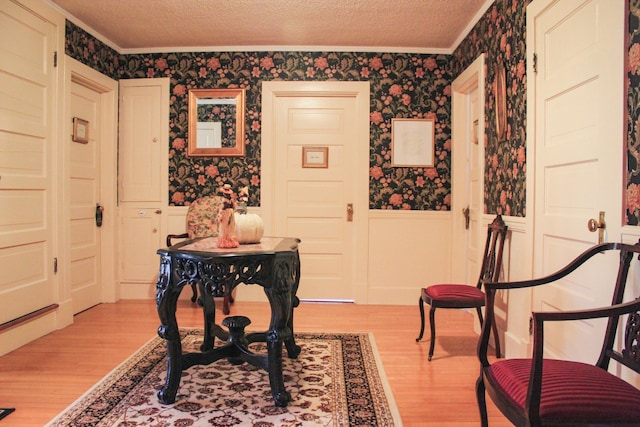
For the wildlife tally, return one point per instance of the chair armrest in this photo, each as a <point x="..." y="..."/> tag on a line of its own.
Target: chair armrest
<point x="564" y="271"/>
<point x="591" y="313"/>
<point x="175" y="236"/>
<point x="626" y="252"/>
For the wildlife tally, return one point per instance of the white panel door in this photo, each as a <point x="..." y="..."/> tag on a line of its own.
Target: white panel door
<point x="143" y="181"/>
<point x="84" y="196"/>
<point x="312" y="202"/>
<point x="477" y="230"/>
<point x="468" y="142"/>
<point x="27" y="117"/>
<point x="578" y="155"/>
<point x="141" y="126"/>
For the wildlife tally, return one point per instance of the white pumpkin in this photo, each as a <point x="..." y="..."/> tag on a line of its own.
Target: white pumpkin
<point x="249" y="228"/>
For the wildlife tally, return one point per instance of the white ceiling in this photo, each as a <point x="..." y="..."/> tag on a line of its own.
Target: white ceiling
<point x="136" y="26"/>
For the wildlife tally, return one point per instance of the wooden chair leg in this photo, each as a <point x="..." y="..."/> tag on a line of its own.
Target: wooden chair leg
<point x="482" y="403"/>
<point x="432" y="322"/>
<point x="494" y="328"/>
<point x="421" y="307"/>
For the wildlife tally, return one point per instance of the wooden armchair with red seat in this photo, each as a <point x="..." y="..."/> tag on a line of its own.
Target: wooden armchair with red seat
<point x="542" y="391"/>
<point x="202" y="221"/>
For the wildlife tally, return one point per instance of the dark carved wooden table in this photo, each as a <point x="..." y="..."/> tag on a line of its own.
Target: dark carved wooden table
<point x="274" y="264"/>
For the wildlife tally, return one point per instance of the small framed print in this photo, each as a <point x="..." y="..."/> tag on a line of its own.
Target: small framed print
<point x="80" y="130"/>
<point x="315" y="157"/>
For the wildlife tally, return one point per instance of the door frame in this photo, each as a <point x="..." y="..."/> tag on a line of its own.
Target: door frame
<point x="81" y="74"/>
<point x="472" y="76"/>
<point x="358" y="90"/>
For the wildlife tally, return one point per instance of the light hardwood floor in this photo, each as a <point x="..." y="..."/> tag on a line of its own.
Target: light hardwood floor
<point x="45" y="376"/>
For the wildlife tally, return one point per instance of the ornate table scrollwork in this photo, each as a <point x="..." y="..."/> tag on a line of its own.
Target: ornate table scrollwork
<point x="273" y="264"/>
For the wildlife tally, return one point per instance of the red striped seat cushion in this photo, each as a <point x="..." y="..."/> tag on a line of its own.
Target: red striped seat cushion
<point x="571" y="391"/>
<point x="455" y="292"/>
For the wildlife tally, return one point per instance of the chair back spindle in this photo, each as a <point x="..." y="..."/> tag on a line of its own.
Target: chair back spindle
<point x="493" y="249"/>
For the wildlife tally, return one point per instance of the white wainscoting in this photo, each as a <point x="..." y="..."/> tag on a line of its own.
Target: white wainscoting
<point x="517" y="264"/>
<point x="407" y="250"/>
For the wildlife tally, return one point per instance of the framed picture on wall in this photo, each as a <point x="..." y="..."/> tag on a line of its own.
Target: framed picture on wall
<point x="80" y="130"/>
<point x="501" y="103"/>
<point x="412" y="142"/>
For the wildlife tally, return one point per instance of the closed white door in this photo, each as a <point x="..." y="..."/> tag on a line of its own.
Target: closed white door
<point x="468" y="141"/>
<point x="27" y="117"/>
<point x="477" y="230"/>
<point x="84" y="197"/>
<point x="314" y="190"/>
<point x="578" y="121"/>
<point x="143" y="182"/>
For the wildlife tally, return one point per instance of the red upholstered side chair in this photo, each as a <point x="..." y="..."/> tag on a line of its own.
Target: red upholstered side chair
<point x="455" y="295"/>
<point x="202" y="221"/>
<point x="549" y="392"/>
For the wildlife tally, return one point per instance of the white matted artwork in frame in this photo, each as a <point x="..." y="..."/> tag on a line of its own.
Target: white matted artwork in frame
<point x="315" y="157"/>
<point x="412" y="142"/>
<point x="80" y="131"/>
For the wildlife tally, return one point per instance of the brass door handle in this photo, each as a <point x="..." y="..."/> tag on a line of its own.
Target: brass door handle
<point x="465" y="212"/>
<point x="598" y="225"/>
<point x="99" y="214"/>
<point x="349" y="212"/>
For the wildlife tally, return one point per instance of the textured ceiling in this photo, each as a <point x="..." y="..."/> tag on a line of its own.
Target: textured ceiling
<point x="386" y="25"/>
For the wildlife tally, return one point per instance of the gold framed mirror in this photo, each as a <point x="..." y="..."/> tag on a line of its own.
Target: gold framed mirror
<point x="216" y="122"/>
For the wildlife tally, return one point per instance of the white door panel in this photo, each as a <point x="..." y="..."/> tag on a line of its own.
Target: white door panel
<point x="140" y="126"/>
<point x="312" y="202"/>
<point x="84" y="195"/>
<point x="27" y="112"/>
<point x="578" y="154"/>
<point x="142" y="238"/>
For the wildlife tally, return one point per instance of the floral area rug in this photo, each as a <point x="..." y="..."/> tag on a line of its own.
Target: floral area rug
<point x="337" y="380"/>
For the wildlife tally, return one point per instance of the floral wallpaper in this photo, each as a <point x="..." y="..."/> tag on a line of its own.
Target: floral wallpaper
<point x="402" y="85"/>
<point x="500" y="33"/>
<point x="85" y="48"/>
<point x="632" y="205"/>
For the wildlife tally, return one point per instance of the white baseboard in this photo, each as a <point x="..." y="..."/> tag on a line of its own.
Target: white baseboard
<point x="16" y="337"/>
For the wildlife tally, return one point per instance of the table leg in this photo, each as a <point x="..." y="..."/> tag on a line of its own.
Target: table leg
<point x="209" y="312"/>
<point x="281" y="295"/>
<point x="166" y="302"/>
<point x="280" y="395"/>
<point x="293" y="349"/>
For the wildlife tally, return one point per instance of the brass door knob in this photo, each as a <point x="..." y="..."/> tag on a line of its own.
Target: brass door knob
<point x="598" y="225"/>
